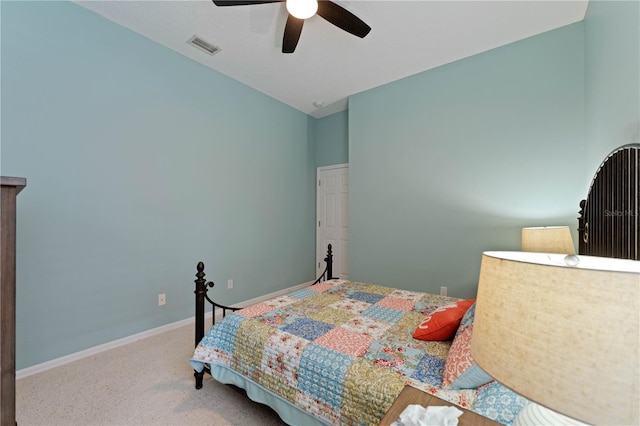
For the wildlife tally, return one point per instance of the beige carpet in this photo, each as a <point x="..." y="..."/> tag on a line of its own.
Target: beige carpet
<point x="148" y="382"/>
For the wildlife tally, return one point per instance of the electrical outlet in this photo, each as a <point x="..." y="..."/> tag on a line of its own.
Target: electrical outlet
<point x="229" y="283"/>
<point x="162" y="299"/>
<point x="443" y="291"/>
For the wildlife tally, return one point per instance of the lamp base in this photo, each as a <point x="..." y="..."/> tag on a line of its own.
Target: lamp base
<point x="537" y="415"/>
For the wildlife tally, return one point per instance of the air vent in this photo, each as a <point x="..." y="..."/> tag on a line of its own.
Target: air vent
<point x="203" y="45"/>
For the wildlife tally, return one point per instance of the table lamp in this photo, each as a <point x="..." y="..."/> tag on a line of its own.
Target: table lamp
<point x="548" y="239"/>
<point x="564" y="337"/>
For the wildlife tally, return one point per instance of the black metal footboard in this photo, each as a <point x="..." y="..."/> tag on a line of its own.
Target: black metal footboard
<point x="201" y="296"/>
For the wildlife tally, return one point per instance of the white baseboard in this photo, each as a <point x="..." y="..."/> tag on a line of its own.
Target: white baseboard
<point x="39" y="368"/>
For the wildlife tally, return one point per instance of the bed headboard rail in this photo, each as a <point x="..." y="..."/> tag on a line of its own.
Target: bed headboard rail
<point x="609" y="222"/>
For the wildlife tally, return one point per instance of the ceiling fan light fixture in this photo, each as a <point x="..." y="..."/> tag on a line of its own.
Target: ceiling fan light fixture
<point x="302" y="9"/>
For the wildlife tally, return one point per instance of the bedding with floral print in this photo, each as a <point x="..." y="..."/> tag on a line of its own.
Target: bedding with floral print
<point x="430" y="302"/>
<point x="394" y="355"/>
<point x="281" y="357"/>
<point x="355" y="307"/>
<point x="405" y="294"/>
<point x="336" y="351"/>
<point x="292" y="312"/>
<point x="368" y="326"/>
<point x="278" y="317"/>
<point x="498" y="402"/>
<point x="331" y="315"/>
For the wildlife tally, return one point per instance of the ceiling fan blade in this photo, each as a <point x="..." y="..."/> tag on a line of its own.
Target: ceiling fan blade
<point x="292" y="31"/>
<point x="243" y="2"/>
<point x="342" y="18"/>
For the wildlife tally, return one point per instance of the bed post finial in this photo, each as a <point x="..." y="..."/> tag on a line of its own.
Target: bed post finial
<point x="201" y="292"/>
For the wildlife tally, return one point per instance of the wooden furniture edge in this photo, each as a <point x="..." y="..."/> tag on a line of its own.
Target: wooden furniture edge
<point x="11" y="186"/>
<point x="410" y="395"/>
<point x="18" y="182"/>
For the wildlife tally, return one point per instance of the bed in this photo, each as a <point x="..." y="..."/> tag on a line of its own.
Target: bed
<point x="336" y="352"/>
<point x="340" y="352"/>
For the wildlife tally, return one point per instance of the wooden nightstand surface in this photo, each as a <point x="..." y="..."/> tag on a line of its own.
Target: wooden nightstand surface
<point x="410" y="395"/>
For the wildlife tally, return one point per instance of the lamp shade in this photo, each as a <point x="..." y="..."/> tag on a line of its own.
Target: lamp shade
<point x="563" y="336"/>
<point x="548" y="239"/>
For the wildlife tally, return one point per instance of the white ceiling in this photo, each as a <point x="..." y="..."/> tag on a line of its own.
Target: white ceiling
<point x="329" y="65"/>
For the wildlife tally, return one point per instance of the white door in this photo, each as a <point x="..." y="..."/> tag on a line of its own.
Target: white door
<point x="333" y="218"/>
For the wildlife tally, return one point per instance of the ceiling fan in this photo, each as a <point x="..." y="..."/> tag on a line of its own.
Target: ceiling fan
<point x="299" y="10"/>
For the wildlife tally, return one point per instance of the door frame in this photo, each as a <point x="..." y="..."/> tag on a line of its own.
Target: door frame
<point x="322" y="251"/>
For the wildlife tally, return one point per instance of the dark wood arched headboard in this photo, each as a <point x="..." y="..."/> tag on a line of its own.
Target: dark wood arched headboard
<point x="609" y="222"/>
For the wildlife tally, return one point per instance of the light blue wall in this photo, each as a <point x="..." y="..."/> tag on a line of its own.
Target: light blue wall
<point x="454" y="161"/>
<point x="140" y="163"/>
<point x="612" y="79"/>
<point x="332" y="139"/>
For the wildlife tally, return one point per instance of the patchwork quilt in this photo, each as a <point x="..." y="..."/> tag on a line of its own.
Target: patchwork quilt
<point x="340" y="350"/>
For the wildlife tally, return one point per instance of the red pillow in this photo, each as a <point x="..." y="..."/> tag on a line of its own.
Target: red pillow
<point x="442" y="323"/>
